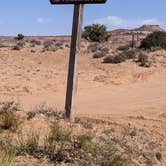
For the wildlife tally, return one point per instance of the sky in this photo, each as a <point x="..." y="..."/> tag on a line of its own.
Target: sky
<point x="39" y="17"/>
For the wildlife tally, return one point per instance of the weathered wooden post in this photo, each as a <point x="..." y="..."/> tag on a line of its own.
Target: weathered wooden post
<point x="74" y="52"/>
<point x="138" y="39"/>
<point x="133" y="40"/>
<point x="73" y="62"/>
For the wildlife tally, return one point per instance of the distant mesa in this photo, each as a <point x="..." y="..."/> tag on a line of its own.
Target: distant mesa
<point x="144" y="30"/>
<point x="150" y="28"/>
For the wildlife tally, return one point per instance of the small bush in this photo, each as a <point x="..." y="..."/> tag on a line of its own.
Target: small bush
<point x="82" y="141"/>
<point x="49" y="46"/>
<point x="96" y="33"/>
<point x="35" y="42"/>
<point x="93" y="47"/>
<point x="98" y="55"/>
<point x="9" y="106"/>
<point x="33" y="51"/>
<point x="29" y="146"/>
<point x="57" y="143"/>
<point x="59" y="44"/>
<point x="98" y="50"/>
<point x="49" y="112"/>
<point x="19" y="45"/>
<point x="105" y="50"/>
<point x="115" y="59"/>
<point x="121" y="57"/>
<point x="57" y="134"/>
<point x="156" y="39"/>
<point x="7" y="151"/>
<point x="20" y="37"/>
<point x="30" y="115"/>
<point x="67" y="45"/>
<point x="143" y="60"/>
<point x="8" y="121"/>
<point x="52" y="46"/>
<point x="159" y="156"/>
<point x="123" y="47"/>
<point x="87" y="124"/>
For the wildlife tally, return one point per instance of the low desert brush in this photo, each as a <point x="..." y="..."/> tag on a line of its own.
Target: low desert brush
<point x="8" y="121"/>
<point x="28" y="146"/>
<point x="6" y="160"/>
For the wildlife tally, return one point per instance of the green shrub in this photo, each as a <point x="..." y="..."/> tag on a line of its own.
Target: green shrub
<point x="96" y="33"/>
<point x="20" y="36"/>
<point x="156" y="39"/>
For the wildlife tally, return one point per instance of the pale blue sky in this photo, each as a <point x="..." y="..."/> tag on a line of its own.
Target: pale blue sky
<point x="38" y="17"/>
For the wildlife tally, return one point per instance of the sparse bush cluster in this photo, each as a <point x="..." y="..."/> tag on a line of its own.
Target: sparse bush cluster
<point x="34" y="43"/>
<point x="154" y="40"/>
<point x="96" y="33"/>
<point x="52" y="45"/>
<point x="49" y="112"/>
<point x="20" y="37"/>
<point x="140" y="57"/>
<point x="29" y="146"/>
<point x="61" y="145"/>
<point x="19" y="45"/>
<point x="121" y="57"/>
<point x="99" y="50"/>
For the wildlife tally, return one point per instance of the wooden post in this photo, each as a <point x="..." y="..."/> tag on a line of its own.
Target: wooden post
<point x="138" y="37"/>
<point x="73" y="62"/>
<point x="133" y="40"/>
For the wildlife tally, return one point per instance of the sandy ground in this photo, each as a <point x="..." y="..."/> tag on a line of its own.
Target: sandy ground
<point x="103" y="89"/>
<point x="123" y="93"/>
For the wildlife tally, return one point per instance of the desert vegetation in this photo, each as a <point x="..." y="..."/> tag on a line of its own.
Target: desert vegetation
<point x="120" y="120"/>
<point x="96" y="33"/>
<point x="64" y="144"/>
<point x="156" y="40"/>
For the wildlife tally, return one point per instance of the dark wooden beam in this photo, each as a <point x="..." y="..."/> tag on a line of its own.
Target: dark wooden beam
<point x="77" y="1"/>
<point x="73" y="62"/>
